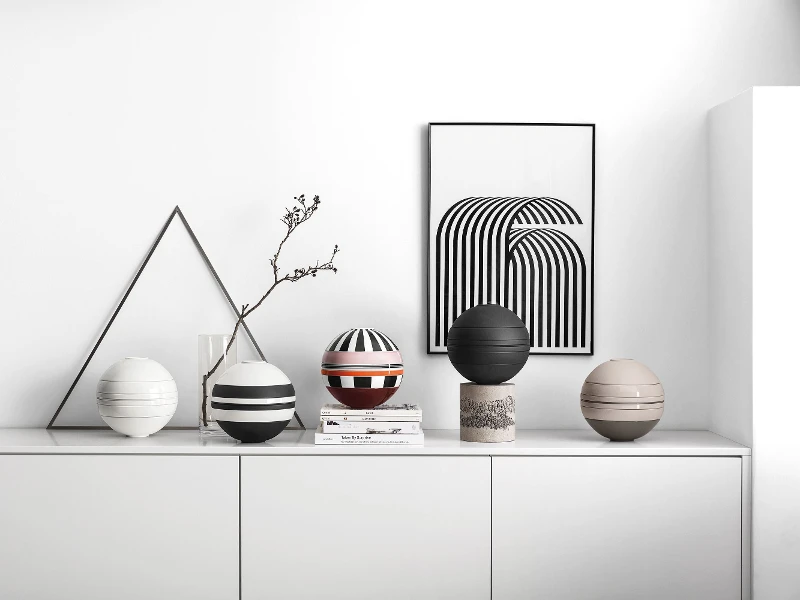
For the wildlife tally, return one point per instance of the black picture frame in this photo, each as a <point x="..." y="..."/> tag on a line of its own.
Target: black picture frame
<point x="592" y="127"/>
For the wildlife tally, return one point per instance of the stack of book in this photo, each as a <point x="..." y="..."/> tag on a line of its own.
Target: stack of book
<point x="388" y="424"/>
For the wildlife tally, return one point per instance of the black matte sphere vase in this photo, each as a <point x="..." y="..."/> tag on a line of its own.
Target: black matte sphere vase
<point x="488" y="344"/>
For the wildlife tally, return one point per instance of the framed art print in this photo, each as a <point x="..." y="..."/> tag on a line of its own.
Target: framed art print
<point x="511" y="222"/>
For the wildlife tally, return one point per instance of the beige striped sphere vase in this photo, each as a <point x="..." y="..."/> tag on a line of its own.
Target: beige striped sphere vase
<point x="622" y="400"/>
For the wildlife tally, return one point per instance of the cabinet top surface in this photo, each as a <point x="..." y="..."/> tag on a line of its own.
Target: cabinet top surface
<point x="438" y="442"/>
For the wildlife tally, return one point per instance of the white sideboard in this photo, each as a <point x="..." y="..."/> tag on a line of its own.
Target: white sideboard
<point x="556" y="514"/>
<point x="104" y="526"/>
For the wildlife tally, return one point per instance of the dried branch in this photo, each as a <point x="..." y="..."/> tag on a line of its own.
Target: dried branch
<point x="293" y="218"/>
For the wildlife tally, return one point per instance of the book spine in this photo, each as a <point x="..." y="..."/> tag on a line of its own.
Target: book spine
<point x="372" y="427"/>
<point x="340" y="439"/>
<point x="372" y="418"/>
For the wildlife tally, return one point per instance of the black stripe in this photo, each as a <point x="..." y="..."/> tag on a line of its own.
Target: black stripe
<point x="568" y="243"/>
<point x="346" y="343"/>
<point x="257" y="392"/>
<point x="559" y="273"/>
<point x="571" y="243"/>
<point x="467" y="283"/>
<point x="453" y="294"/>
<point x="465" y="249"/>
<point x="232" y="406"/>
<point x="512" y="274"/>
<point x="475" y="258"/>
<point x="442" y="284"/>
<point x="360" y="341"/>
<point x="512" y="209"/>
<point x="438" y="299"/>
<point x="557" y="212"/>
<point x="362" y="382"/>
<point x="334" y="381"/>
<point x="522" y="313"/>
<point x="542" y="218"/>
<point x="553" y="219"/>
<point x="482" y="289"/>
<point x="494" y="254"/>
<point x="475" y="224"/>
<point x="561" y="206"/>
<point x="485" y="214"/>
<point x="332" y="347"/>
<point x="552" y="272"/>
<point x="507" y="290"/>
<point x="376" y="347"/>
<point x="389" y="344"/>
<point x="538" y="276"/>
<point x="390" y="381"/>
<point x="543" y="275"/>
<point x="569" y="209"/>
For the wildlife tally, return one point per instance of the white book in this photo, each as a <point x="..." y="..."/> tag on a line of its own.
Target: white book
<point x="334" y="425"/>
<point x="385" y="412"/>
<point x="367" y="439"/>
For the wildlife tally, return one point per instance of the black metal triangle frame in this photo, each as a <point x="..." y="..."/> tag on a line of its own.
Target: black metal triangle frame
<point x="175" y="211"/>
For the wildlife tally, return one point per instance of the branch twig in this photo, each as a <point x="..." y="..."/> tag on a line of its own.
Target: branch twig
<point x="293" y="218"/>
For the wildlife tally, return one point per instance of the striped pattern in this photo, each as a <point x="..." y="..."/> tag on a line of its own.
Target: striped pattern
<point x="547" y="287"/>
<point x="362" y="340"/>
<point x="544" y="211"/>
<point x="375" y="381"/>
<point x="487" y="251"/>
<point x="257" y="411"/>
<point x="362" y="368"/>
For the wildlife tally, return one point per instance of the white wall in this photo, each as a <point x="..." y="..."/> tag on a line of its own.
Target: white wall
<point x="776" y="413"/>
<point x="111" y="113"/>
<point x="731" y="268"/>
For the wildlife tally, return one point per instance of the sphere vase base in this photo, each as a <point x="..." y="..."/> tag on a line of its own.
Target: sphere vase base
<point x="488" y="412"/>
<point x="622" y="431"/>
<point x="362" y="398"/>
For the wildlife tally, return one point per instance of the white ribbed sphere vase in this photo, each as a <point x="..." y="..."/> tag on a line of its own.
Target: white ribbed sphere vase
<point x="136" y="396"/>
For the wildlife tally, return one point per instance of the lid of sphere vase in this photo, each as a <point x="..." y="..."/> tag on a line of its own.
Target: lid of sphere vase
<point x="136" y="368"/>
<point x="489" y="315"/>
<point x="253" y="373"/>
<point x="623" y="371"/>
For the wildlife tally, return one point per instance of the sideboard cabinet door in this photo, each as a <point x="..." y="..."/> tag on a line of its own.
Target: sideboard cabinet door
<point x="366" y="527"/>
<point x="121" y="527"/>
<point x="616" y="528"/>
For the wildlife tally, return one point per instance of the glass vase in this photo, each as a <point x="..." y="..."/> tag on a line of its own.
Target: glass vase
<point x="215" y="354"/>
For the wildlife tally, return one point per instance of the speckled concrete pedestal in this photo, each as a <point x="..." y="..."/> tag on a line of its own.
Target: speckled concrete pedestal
<point x="487" y="412"/>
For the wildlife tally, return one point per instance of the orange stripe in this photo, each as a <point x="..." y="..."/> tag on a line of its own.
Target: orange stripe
<point x="362" y="373"/>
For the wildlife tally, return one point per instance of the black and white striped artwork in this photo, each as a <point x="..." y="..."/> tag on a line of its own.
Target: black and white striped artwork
<point x="511" y="223"/>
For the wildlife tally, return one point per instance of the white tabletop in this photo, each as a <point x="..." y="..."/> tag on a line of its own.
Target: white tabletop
<point x="438" y="442"/>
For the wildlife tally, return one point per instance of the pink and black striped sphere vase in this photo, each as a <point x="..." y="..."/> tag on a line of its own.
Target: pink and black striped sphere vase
<point x="362" y="368"/>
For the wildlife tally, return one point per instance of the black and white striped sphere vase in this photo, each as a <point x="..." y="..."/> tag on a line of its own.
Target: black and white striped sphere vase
<point x="253" y="401"/>
<point x="362" y="368"/>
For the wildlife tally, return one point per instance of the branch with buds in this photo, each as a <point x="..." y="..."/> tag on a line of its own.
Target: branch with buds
<point x="294" y="217"/>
